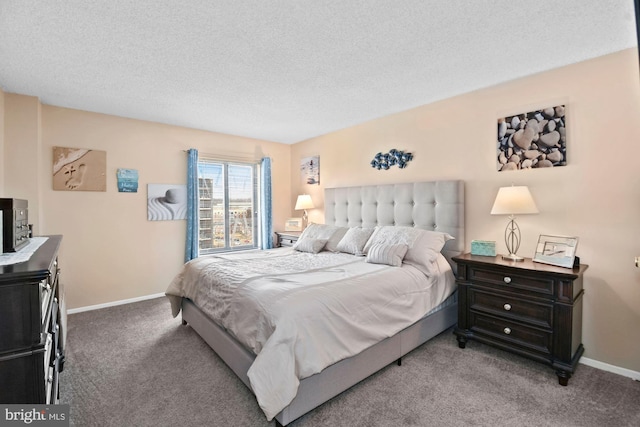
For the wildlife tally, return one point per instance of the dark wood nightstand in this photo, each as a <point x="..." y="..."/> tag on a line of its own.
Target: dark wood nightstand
<point x="528" y="308"/>
<point x="287" y="238"/>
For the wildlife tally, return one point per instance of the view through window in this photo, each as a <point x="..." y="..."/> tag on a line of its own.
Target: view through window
<point x="227" y="206"/>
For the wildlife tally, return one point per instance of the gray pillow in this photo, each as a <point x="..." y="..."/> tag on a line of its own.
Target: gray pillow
<point x="308" y="244"/>
<point x="331" y="233"/>
<point x="354" y="240"/>
<point x="392" y="255"/>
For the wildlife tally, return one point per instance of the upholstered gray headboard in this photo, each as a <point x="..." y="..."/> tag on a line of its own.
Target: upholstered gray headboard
<point x="433" y="205"/>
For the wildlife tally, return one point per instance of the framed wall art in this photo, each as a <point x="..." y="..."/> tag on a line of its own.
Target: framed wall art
<point x="533" y="140"/>
<point x="79" y="169"/>
<point x="310" y="170"/>
<point x="166" y="202"/>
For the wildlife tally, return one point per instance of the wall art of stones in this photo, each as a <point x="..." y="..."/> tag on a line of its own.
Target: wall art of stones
<point x="536" y="139"/>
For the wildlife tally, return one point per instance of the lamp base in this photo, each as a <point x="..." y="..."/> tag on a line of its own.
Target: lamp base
<point x="512" y="257"/>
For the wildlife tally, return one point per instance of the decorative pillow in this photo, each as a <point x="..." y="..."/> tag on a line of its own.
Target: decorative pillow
<point x="424" y="245"/>
<point x="331" y="233"/>
<point x="332" y="243"/>
<point x="354" y="240"/>
<point x="310" y="245"/>
<point x="392" y="255"/>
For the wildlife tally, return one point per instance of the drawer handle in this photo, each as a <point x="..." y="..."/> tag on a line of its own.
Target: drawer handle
<point x="507" y="279"/>
<point x="507" y="306"/>
<point x="507" y="331"/>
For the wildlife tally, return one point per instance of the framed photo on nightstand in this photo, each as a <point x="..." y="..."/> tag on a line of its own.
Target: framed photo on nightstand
<point x="556" y="250"/>
<point x="293" y="224"/>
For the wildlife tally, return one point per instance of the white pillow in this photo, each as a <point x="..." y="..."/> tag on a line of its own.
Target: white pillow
<point x="392" y="255"/>
<point x="310" y="245"/>
<point x="354" y="240"/>
<point x="424" y="245"/>
<point x="332" y="243"/>
<point x="331" y="233"/>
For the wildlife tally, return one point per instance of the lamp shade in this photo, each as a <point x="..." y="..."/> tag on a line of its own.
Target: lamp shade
<point x="304" y="202"/>
<point x="514" y="200"/>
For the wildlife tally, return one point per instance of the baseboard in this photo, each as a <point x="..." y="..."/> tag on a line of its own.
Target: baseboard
<point x="113" y="303"/>
<point x="611" y="368"/>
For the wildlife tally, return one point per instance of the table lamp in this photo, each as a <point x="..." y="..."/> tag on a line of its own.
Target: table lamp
<point x="511" y="201"/>
<point x="304" y="202"/>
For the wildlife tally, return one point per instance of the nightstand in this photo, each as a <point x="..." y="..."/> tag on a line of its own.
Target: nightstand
<point x="527" y="308"/>
<point x="287" y="238"/>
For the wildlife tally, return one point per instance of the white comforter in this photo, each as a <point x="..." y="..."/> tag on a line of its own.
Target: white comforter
<point x="300" y="312"/>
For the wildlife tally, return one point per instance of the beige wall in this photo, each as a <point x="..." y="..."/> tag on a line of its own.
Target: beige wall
<point x="22" y="165"/>
<point x="110" y="251"/>
<point x="596" y="197"/>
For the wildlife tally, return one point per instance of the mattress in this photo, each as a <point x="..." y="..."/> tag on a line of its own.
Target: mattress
<point x="301" y="312"/>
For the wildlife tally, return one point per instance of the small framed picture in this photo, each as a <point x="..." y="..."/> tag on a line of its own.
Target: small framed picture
<point x="556" y="250"/>
<point x="293" y="224"/>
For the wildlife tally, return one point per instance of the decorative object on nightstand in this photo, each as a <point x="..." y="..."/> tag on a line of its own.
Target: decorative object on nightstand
<point x="304" y="202"/>
<point x="530" y="309"/>
<point x="483" y="247"/>
<point x="556" y="250"/>
<point x="293" y="224"/>
<point x="511" y="201"/>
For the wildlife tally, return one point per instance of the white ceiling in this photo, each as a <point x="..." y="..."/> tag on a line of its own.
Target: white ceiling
<point x="289" y="70"/>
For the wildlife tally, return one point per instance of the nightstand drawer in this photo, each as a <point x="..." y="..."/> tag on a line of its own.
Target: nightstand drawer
<point x="287" y="238"/>
<point x="512" y="333"/>
<point x="507" y="306"/>
<point x="516" y="282"/>
<point x="287" y="241"/>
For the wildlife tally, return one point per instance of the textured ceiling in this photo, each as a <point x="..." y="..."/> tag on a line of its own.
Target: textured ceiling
<point x="289" y="70"/>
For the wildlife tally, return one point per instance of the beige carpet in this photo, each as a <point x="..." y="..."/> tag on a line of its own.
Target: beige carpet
<point x="135" y="365"/>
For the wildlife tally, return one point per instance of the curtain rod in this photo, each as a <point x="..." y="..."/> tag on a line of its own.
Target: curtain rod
<point x="208" y="156"/>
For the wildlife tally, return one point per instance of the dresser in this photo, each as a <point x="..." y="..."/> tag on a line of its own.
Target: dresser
<point x="527" y="308"/>
<point x="31" y="319"/>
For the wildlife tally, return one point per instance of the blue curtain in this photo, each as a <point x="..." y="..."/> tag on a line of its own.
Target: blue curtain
<point x="191" y="248"/>
<point x="265" y="201"/>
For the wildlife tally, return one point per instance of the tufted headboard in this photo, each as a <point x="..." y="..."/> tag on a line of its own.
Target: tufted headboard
<point x="433" y="205"/>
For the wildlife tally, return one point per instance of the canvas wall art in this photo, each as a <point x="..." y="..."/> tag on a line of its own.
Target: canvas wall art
<point x="127" y="180"/>
<point x="166" y="202"/>
<point x="537" y="139"/>
<point x="79" y="169"/>
<point x="310" y="170"/>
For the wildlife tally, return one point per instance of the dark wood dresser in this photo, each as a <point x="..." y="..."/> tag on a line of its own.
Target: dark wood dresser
<point x="528" y="308"/>
<point x="31" y="346"/>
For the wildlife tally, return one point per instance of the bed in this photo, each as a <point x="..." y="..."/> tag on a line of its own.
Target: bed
<point x="294" y="364"/>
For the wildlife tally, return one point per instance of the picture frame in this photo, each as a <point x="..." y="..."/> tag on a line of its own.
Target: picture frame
<point x="293" y="224"/>
<point x="556" y="250"/>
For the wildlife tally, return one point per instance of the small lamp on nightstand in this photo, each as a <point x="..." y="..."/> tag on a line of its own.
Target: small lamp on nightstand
<point x="510" y="201"/>
<point x="304" y="202"/>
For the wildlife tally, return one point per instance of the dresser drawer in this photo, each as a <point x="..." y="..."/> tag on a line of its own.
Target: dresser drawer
<point x="511" y="333"/>
<point x="508" y="306"/>
<point x="518" y="283"/>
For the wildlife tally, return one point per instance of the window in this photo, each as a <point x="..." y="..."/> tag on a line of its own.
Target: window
<point x="227" y="206"/>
